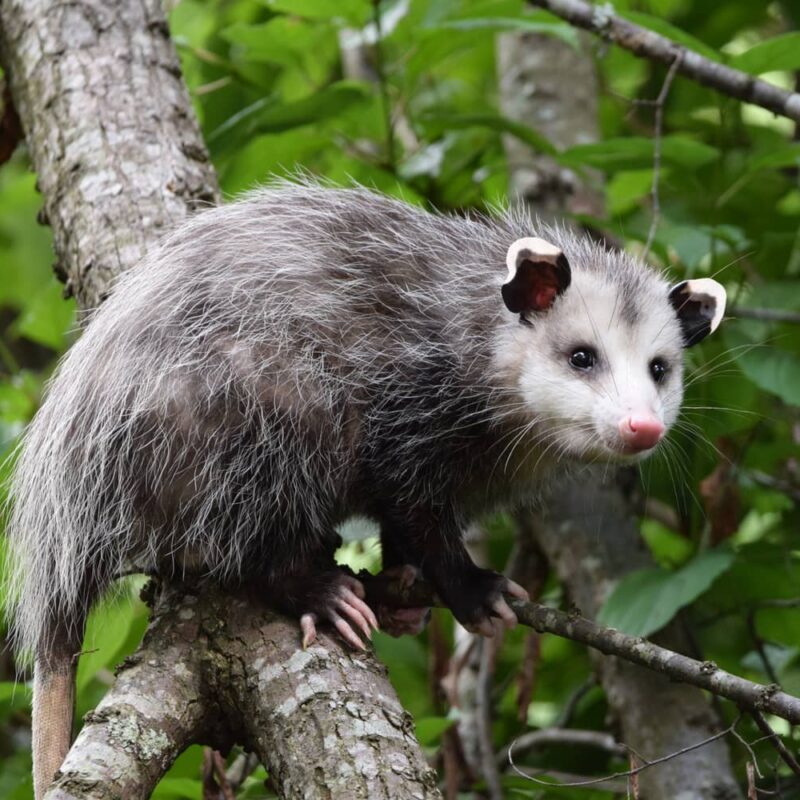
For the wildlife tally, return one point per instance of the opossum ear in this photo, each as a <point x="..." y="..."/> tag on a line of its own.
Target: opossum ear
<point x="700" y="306"/>
<point x="537" y="273"/>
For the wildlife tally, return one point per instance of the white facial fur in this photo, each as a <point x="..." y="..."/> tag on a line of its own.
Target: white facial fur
<point x="579" y="412"/>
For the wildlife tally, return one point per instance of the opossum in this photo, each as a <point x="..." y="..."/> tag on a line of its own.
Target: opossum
<point x="306" y="354"/>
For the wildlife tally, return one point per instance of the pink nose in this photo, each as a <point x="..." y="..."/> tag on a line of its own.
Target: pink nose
<point x="641" y="432"/>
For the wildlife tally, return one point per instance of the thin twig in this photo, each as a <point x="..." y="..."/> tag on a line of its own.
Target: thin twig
<point x="571" y="706"/>
<point x="658" y="136"/>
<point x="384" y="89"/>
<point x="776" y="741"/>
<point x="630" y="772"/>
<point x="243" y="766"/>
<point x="647" y="44"/>
<point x="703" y="674"/>
<point x="565" y="736"/>
<point x="489" y="770"/>
<point x="752" y="627"/>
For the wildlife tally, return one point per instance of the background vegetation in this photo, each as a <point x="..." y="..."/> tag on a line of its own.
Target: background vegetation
<point x="268" y="85"/>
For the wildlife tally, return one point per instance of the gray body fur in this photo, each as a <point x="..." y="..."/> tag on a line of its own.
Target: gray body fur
<point x="247" y="387"/>
<point x="289" y="360"/>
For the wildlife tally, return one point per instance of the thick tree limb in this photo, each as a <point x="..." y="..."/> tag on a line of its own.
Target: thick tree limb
<point x="644" y="43"/>
<point x="219" y="668"/>
<point x="111" y="131"/>
<point x="636" y="650"/>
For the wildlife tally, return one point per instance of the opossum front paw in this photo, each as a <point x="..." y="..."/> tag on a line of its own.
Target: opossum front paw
<point x="476" y="599"/>
<point x="340" y="601"/>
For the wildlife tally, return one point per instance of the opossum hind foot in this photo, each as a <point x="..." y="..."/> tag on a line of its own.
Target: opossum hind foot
<point x="337" y="598"/>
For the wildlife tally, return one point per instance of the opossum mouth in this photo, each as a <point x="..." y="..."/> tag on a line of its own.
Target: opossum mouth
<point x="616" y="452"/>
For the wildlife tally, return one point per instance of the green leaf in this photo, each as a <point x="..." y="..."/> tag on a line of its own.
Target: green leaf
<point x="499" y="24"/>
<point x="106" y="633"/>
<point x="356" y="12"/>
<point x="672" y="32"/>
<point x="638" y="152"/>
<point x="13" y="697"/>
<point x="496" y="122"/>
<point x="430" y="729"/>
<point x="47" y="317"/>
<point x="779" y="53"/>
<point x="646" y="600"/>
<point x="774" y="294"/>
<point x="268" y="116"/>
<point x="773" y="370"/>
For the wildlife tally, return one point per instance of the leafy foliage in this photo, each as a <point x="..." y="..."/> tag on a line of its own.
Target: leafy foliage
<point x="269" y="87"/>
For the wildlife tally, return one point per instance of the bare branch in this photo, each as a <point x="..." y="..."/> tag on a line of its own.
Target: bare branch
<point x="489" y="770"/>
<point x="219" y="668"/>
<point x="631" y="772"/>
<point x="648" y="44"/>
<point x="776" y="741"/>
<point x="565" y="736"/>
<point x="659" y="131"/>
<point x="703" y="674"/>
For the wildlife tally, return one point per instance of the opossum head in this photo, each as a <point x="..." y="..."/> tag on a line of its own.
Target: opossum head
<point x="596" y="352"/>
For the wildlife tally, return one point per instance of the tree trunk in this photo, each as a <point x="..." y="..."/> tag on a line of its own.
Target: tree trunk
<point x="588" y="533"/>
<point x="111" y="131"/>
<point x="120" y="159"/>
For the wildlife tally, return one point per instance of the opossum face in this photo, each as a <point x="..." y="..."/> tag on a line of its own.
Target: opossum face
<point x="597" y="354"/>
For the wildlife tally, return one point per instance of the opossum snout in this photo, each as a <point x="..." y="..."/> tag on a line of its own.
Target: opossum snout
<point x="641" y="432"/>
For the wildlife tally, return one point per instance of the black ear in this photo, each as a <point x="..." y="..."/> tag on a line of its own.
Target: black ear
<point x="538" y="272"/>
<point x="700" y="306"/>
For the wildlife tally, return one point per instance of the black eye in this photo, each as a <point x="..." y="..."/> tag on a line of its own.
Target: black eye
<point x="658" y="370"/>
<point x="583" y="358"/>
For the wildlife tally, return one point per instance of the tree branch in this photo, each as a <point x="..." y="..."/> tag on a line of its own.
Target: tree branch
<point x="702" y="674"/>
<point x="221" y="668"/>
<point x="647" y="44"/>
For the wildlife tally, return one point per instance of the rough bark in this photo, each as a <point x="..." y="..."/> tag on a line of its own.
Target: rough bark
<point x="120" y="159"/>
<point x="111" y="132"/>
<point x="553" y="87"/>
<point x="220" y="668"/>
<point x="600" y="19"/>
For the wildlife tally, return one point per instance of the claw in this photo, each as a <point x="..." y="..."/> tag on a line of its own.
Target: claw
<point x="350" y="605"/>
<point x="347" y="632"/>
<point x="362" y="607"/>
<point x="309" y="629"/>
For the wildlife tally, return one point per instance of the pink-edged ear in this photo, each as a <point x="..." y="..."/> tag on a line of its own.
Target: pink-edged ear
<point x="700" y="306"/>
<point x="538" y="272"/>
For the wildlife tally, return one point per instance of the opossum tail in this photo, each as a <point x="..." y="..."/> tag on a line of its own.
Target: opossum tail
<point x="59" y="544"/>
<point x="53" y="708"/>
